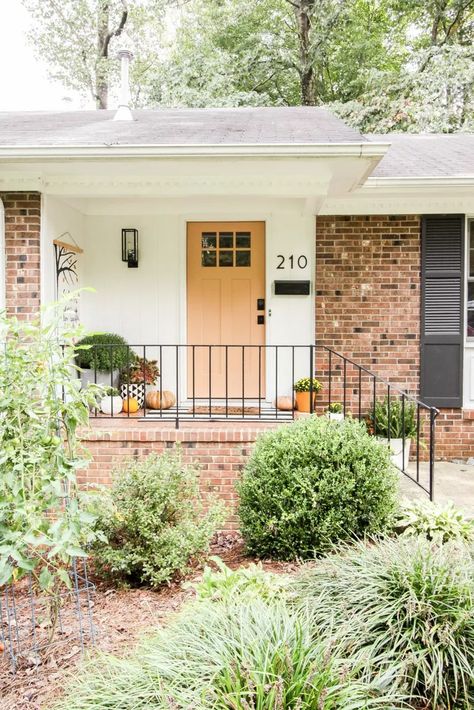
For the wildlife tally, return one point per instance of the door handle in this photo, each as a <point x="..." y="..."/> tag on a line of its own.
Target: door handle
<point x="260" y="304"/>
<point x="260" y="320"/>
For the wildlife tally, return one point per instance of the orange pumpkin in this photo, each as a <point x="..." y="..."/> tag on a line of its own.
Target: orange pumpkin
<point x="160" y="400"/>
<point x="285" y="404"/>
<point x="130" y="405"/>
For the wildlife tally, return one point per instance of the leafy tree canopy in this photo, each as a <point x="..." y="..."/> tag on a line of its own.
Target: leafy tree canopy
<point x="382" y="65"/>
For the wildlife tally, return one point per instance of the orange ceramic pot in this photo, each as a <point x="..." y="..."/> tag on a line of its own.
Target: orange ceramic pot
<point x="303" y="401"/>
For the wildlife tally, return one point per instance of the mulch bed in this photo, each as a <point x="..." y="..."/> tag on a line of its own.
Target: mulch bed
<point x="121" y="616"/>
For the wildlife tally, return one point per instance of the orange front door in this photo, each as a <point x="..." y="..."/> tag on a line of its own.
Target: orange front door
<point x="225" y="282"/>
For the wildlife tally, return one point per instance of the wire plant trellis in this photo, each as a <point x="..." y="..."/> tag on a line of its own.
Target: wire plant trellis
<point x="30" y="629"/>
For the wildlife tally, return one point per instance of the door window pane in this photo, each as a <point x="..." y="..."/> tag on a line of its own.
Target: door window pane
<point x="242" y="240"/>
<point x="208" y="258"/>
<point x="208" y="240"/>
<point x="226" y="258"/>
<point x="226" y="240"/>
<point x="242" y="258"/>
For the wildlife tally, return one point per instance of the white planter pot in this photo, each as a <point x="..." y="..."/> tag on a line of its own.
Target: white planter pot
<point x="335" y="416"/>
<point x="111" y="405"/>
<point x="400" y="457"/>
<point x="101" y="378"/>
<point x="135" y="390"/>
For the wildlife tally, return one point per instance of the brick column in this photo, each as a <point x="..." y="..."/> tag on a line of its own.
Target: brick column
<point x="22" y="252"/>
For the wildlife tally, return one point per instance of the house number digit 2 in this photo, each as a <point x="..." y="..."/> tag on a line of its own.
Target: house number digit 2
<point x="301" y="261"/>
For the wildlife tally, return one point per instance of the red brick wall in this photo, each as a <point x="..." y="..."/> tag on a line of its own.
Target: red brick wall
<point x="221" y="451"/>
<point x="22" y="247"/>
<point x="368" y="308"/>
<point x="368" y="292"/>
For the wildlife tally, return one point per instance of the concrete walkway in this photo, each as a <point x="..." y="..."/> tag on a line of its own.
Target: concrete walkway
<point x="453" y="482"/>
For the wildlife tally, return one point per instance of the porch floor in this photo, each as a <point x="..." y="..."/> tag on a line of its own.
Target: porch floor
<point x="232" y="411"/>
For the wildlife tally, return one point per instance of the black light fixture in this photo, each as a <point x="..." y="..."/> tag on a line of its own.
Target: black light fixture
<point x="130" y="247"/>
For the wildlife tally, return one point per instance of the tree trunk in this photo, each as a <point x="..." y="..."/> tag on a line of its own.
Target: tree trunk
<point x="306" y="72"/>
<point x="101" y="77"/>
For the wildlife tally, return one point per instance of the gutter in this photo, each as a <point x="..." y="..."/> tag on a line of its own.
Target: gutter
<point x="395" y="183"/>
<point x="270" y="150"/>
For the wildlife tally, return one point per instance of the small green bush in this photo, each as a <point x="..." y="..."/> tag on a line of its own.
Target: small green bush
<point x="103" y="352"/>
<point x="249" y="583"/>
<point x="312" y="483"/>
<point x="154" y="521"/>
<point x="393" y="419"/>
<point x="435" y="521"/>
<point x="306" y="384"/>
<point x="404" y="604"/>
<point x="235" y="657"/>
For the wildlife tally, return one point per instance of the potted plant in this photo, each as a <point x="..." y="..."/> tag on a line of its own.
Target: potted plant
<point x="335" y="411"/>
<point x="100" y="357"/>
<point x="395" y="424"/>
<point x="137" y="377"/>
<point x="111" y="402"/>
<point x="303" y="390"/>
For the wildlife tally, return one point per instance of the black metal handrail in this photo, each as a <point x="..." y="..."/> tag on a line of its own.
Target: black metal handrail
<point x="222" y="382"/>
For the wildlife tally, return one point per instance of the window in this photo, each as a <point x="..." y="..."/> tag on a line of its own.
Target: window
<point x="226" y="249"/>
<point x="470" y="282"/>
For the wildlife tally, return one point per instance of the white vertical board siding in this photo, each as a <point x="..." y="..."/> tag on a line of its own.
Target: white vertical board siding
<point x="292" y="317"/>
<point x="148" y="305"/>
<point x="57" y="217"/>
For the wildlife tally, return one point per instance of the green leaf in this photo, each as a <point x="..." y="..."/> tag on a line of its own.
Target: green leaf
<point x="6" y="572"/>
<point x="45" y="579"/>
<point x="74" y="551"/>
<point x="64" y="577"/>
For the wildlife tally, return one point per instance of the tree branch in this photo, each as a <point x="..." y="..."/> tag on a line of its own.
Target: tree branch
<point x="118" y="31"/>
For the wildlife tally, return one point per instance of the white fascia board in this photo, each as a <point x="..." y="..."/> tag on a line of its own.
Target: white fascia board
<point x="420" y="183"/>
<point x="277" y="150"/>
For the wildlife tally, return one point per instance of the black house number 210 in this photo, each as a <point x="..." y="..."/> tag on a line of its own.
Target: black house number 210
<point x="301" y="262"/>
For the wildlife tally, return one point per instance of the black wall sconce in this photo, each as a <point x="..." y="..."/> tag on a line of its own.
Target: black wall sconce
<point x="130" y="247"/>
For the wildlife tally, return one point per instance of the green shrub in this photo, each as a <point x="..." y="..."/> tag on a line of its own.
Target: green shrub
<point x="400" y="419"/>
<point x="435" y="521"/>
<point x="103" y="352"/>
<point x="217" y="656"/>
<point x="306" y="384"/>
<point x="406" y="604"/>
<point x="335" y="408"/>
<point x="248" y="583"/>
<point x="312" y="483"/>
<point x="154" y="520"/>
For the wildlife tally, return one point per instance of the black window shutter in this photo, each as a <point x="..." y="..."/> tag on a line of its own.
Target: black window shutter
<point x="442" y="310"/>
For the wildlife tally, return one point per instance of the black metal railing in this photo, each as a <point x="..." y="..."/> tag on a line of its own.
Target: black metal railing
<point x="256" y="383"/>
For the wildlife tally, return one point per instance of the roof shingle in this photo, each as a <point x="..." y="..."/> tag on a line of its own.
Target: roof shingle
<point x="426" y="155"/>
<point x="288" y="125"/>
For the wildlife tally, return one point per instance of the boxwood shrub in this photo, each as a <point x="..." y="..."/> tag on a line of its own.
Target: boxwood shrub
<point x="103" y="352"/>
<point x="312" y="483"/>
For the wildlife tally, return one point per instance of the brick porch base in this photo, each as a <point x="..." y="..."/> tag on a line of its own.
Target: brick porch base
<point x="220" y="448"/>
